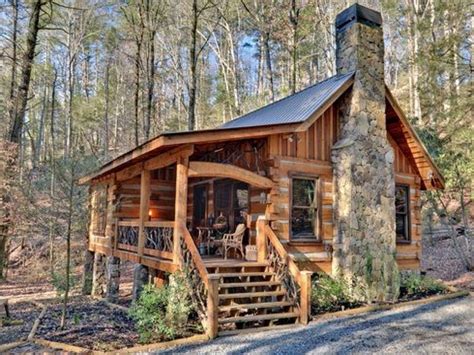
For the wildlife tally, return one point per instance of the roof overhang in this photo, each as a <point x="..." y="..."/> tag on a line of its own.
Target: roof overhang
<point x="411" y="145"/>
<point x="167" y="141"/>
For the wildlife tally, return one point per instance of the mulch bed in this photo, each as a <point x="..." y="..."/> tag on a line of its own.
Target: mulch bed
<point x="90" y="324"/>
<point x="26" y="312"/>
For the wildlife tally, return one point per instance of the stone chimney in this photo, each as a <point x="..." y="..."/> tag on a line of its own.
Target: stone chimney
<point x="364" y="239"/>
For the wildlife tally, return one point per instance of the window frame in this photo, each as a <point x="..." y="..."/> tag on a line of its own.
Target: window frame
<point x="317" y="237"/>
<point x="98" y="216"/>
<point x="407" y="215"/>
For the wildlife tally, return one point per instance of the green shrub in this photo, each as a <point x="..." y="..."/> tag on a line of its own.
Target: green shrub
<point x="330" y="294"/>
<point x="162" y="313"/>
<point x="417" y="286"/>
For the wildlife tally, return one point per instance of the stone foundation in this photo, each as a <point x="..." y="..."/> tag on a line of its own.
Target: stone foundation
<point x="113" y="278"/>
<point x="87" y="275"/>
<point x="99" y="276"/>
<point x="141" y="275"/>
<point x="364" y="210"/>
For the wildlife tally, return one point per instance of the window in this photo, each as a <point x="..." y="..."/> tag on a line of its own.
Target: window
<point x="304" y="208"/>
<point x="99" y="210"/>
<point x="402" y="210"/>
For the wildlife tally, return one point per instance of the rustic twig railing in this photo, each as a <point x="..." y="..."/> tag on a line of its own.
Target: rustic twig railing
<point x="158" y="237"/>
<point x="297" y="283"/>
<point x="203" y="287"/>
<point x="127" y="234"/>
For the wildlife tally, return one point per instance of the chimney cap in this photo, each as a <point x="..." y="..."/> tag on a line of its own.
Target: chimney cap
<point x="358" y="13"/>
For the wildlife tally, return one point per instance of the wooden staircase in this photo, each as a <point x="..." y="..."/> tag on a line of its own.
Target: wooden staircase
<point x="250" y="296"/>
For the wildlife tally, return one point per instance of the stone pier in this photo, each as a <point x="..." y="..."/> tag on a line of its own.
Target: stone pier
<point x="141" y="275"/>
<point x="99" y="276"/>
<point x="113" y="278"/>
<point x="87" y="275"/>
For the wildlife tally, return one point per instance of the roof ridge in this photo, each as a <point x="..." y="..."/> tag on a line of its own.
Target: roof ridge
<point x="287" y="97"/>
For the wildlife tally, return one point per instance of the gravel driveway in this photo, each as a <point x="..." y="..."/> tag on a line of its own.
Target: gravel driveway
<point x="444" y="327"/>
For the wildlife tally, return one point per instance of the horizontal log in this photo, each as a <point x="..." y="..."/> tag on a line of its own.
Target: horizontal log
<point x="203" y="169"/>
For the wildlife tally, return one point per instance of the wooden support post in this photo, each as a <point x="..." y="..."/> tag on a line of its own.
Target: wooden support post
<point x="144" y="206"/>
<point x="212" y="306"/>
<point x="261" y="239"/>
<point x="180" y="206"/>
<point x="305" y="301"/>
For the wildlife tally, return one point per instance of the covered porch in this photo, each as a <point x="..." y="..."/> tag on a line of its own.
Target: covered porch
<point x="180" y="210"/>
<point x="141" y="208"/>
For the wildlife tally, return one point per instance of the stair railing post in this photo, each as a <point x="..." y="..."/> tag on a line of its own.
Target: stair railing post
<point x="212" y="306"/>
<point x="305" y="294"/>
<point x="180" y="207"/>
<point x="261" y="239"/>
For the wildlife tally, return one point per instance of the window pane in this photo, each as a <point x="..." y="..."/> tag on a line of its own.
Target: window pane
<point x="401" y="227"/>
<point x="242" y="198"/>
<point x="303" y="222"/>
<point x="303" y="192"/>
<point x="401" y="199"/>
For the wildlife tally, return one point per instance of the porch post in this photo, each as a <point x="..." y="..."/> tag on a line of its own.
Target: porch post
<point x="180" y="206"/>
<point x="144" y="206"/>
<point x="261" y="240"/>
<point x="305" y="301"/>
<point x="212" y="306"/>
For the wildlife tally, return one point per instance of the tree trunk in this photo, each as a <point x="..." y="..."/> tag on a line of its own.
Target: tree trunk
<point x="269" y="65"/>
<point x="68" y="249"/>
<point x="21" y="101"/>
<point x="137" y="84"/>
<point x="106" y="110"/>
<point x="22" y="97"/>
<point x="12" y="106"/>
<point x="193" y="69"/>
<point x="260" y="66"/>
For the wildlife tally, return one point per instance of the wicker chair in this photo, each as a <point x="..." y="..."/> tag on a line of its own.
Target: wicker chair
<point x="234" y="240"/>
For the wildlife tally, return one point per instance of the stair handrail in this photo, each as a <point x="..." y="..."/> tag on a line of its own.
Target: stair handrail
<point x="204" y="287"/>
<point x="191" y="246"/>
<point x="295" y="276"/>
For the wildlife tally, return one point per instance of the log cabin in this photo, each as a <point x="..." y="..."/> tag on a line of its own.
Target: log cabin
<point x="325" y="180"/>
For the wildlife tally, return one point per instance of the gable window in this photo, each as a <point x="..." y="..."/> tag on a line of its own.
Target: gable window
<point x="402" y="210"/>
<point x="304" y="208"/>
<point x="99" y="210"/>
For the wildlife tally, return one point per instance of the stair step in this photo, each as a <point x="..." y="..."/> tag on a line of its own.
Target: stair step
<point x="255" y="306"/>
<point x="257" y="329"/>
<point x="259" y="317"/>
<point x="221" y="264"/>
<point x="249" y="284"/>
<point x="251" y="294"/>
<point x="244" y="274"/>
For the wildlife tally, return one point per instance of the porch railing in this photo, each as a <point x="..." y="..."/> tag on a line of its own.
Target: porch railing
<point x="158" y="237"/>
<point x="297" y="283"/>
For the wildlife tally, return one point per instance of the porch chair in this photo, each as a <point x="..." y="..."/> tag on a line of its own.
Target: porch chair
<point x="234" y="240"/>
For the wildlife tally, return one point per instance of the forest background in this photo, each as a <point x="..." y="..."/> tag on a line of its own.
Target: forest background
<point x="83" y="81"/>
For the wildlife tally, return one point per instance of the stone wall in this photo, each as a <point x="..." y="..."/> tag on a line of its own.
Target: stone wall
<point x="364" y="238"/>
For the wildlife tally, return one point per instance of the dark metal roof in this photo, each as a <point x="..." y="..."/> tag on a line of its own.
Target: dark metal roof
<point x="295" y="108"/>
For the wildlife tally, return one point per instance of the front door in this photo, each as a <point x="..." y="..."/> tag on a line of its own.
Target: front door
<point x="231" y="199"/>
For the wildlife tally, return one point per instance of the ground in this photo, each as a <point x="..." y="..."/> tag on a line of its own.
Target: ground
<point x="444" y="327"/>
<point x="93" y="324"/>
